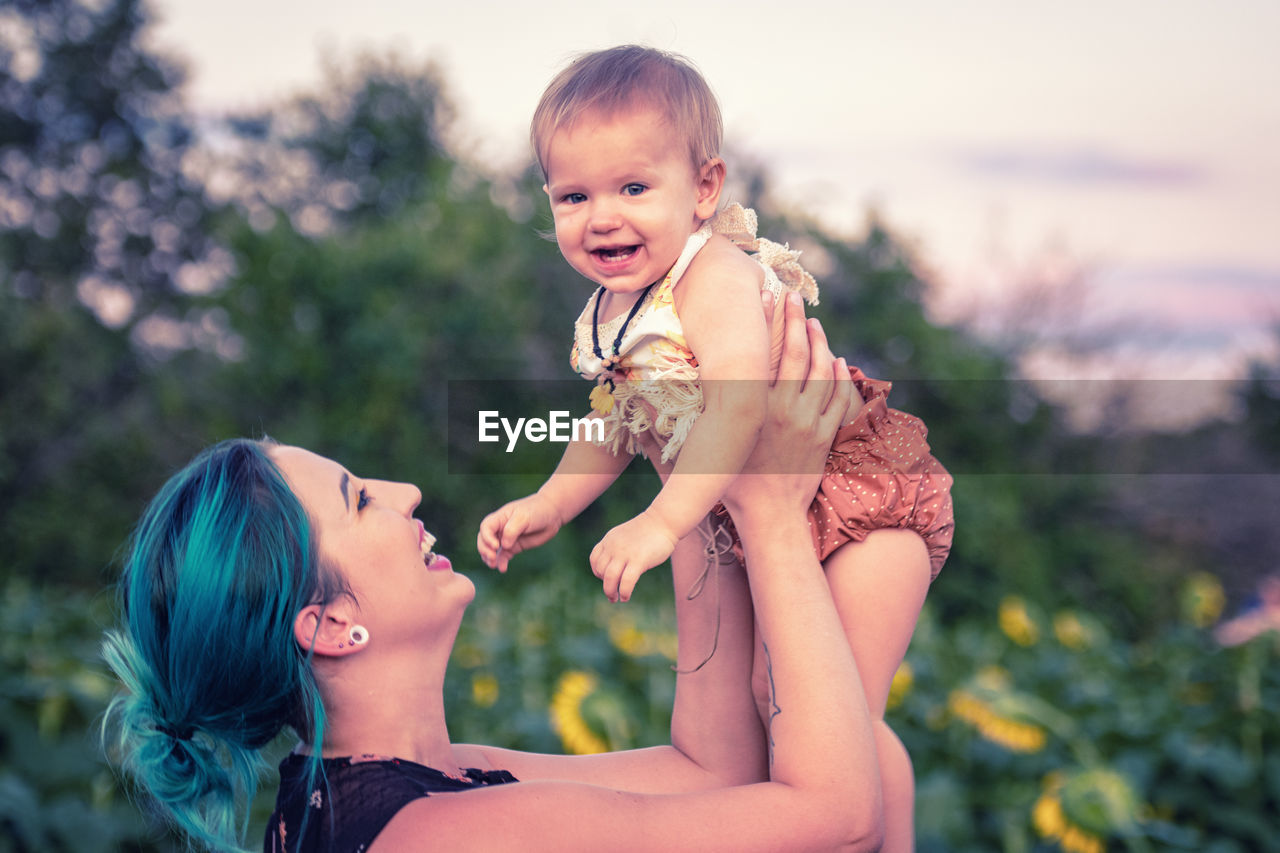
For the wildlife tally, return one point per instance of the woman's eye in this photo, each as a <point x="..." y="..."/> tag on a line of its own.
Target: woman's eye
<point x="363" y="499"/>
<point x="634" y="189"/>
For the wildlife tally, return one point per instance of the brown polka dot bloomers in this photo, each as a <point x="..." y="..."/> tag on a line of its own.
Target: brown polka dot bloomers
<point x="879" y="475"/>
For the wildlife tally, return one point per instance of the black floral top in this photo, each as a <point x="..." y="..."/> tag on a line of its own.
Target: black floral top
<point x="357" y="797"/>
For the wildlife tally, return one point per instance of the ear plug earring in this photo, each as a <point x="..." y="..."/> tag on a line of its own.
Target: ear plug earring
<point x="358" y="635"/>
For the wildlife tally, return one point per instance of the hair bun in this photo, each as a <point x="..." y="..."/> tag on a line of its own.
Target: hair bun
<point x="175" y="732"/>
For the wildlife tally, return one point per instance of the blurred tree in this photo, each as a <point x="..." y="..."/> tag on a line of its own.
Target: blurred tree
<point x="367" y="148"/>
<point x="102" y="236"/>
<point x="1260" y="398"/>
<point x="376" y="270"/>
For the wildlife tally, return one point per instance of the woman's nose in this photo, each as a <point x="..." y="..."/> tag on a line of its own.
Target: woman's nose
<point x="403" y="497"/>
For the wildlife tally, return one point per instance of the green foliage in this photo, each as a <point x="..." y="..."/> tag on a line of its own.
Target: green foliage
<point x="1182" y="722"/>
<point x="98" y="224"/>
<point x="56" y="790"/>
<point x="1183" y="725"/>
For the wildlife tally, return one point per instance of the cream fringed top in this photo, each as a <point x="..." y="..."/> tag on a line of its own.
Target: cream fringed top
<point x="653" y="382"/>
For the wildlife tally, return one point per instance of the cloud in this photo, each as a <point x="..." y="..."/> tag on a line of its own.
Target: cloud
<point x="1204" y="301"/>
<point x="1259" y="280"/>
<point x="1079" y="166"/>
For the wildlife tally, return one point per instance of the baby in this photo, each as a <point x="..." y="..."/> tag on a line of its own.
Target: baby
<point x="675" y="339"/>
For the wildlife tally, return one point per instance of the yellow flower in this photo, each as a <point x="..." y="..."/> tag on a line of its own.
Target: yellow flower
<point x="484" y="689"/>
<point x="1202" y="599"/>
<point x="1079" y="810"/>
<point x="628" y="638"/>
<point x="993" y="677"/>
<point x="1070" y="631"/>
<point x="1051" y="822"/>
<point x="566" y="714"/>
<point x="1016" y="622"/>
<point x="601" y="399"/>
<point x="1009" y="732"/>
<point x="901" y="685"/>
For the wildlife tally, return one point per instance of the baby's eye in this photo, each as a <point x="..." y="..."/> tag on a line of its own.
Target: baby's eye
<point x="363" y="499"/>
<point x="634" y="189"/>
<point x="574" y="198"/>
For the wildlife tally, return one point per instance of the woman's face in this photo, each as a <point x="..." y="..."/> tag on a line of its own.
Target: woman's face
<point x="366" y="530"/>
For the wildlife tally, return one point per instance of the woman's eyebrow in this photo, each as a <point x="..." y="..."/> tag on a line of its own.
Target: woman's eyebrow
<point x="342" y="484"/>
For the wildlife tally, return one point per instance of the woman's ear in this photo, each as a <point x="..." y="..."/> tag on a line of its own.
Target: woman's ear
<point x="324" y="630"/>
<point x="710" y="182"/>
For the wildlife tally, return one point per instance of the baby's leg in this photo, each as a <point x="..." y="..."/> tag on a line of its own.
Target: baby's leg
<point x="879" y="586"/>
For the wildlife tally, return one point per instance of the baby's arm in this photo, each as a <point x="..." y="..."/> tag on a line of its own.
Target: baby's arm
<point x="584" y="472"/>
<point x="719" y="306"/>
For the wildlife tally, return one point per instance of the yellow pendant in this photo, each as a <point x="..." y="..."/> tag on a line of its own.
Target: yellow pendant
<point x="602" y="398"/>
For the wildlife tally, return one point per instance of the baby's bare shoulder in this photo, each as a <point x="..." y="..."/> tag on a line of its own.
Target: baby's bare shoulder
<point x="724" y="263"/>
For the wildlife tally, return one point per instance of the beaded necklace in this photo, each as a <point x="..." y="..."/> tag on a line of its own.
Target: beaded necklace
<point x="602" y="397"/>
<point x="611" y="359"/>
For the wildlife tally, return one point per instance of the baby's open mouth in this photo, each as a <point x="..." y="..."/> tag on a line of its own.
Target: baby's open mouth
<point x="615" y="253"/>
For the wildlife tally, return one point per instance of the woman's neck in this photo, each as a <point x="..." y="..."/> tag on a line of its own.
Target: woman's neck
<point x="374" y="710"/>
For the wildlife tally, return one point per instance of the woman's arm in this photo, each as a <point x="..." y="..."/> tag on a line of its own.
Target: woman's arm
<point x="823" y="792"/>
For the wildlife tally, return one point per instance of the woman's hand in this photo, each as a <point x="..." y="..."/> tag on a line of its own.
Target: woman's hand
<point x="808" y="398"/>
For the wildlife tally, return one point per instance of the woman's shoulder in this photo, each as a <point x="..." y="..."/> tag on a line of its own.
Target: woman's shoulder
<point x="357" y="797"/>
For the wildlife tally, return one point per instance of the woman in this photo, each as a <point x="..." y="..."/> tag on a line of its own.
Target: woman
<point x="268" y="586"/>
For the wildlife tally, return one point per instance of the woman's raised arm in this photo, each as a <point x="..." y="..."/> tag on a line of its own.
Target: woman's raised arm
<point x="823" y="792"/>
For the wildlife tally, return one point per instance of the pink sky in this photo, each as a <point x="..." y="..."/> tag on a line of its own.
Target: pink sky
<point x="1136" y="138"/>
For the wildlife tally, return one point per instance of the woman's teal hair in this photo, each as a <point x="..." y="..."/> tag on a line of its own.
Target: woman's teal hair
<point x="220" y="564"/>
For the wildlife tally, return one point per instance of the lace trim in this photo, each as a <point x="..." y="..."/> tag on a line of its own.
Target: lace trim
<point x="668" y="400"/>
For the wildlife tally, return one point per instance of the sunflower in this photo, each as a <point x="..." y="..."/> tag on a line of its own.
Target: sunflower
<point x="995" y="724"/>
<point x="1202" y="599"/>
<point x="566" y="713"/>
<point x="484" y="689"/>
<point x="1016" y="622"/>
<point x="903" y="678"/>
<point x="1081" y="808"/>
<point x="632" y="640"/>
<point x="1070" y="631"/>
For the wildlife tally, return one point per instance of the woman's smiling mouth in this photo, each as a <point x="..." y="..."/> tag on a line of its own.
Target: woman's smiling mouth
<point x="433" y="561"/>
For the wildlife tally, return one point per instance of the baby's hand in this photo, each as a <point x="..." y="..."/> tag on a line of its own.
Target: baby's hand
<point x="628" y="551"/>
<point x="515" y="527"/>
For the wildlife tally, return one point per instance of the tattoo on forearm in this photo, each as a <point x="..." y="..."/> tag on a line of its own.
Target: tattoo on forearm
<point x="774" y="710"/>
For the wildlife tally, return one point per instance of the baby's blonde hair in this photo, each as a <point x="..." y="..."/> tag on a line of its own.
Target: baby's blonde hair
<point x="609" y="81"/>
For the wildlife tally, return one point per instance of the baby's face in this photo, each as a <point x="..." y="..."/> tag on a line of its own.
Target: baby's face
<point x="625" y="197"/>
